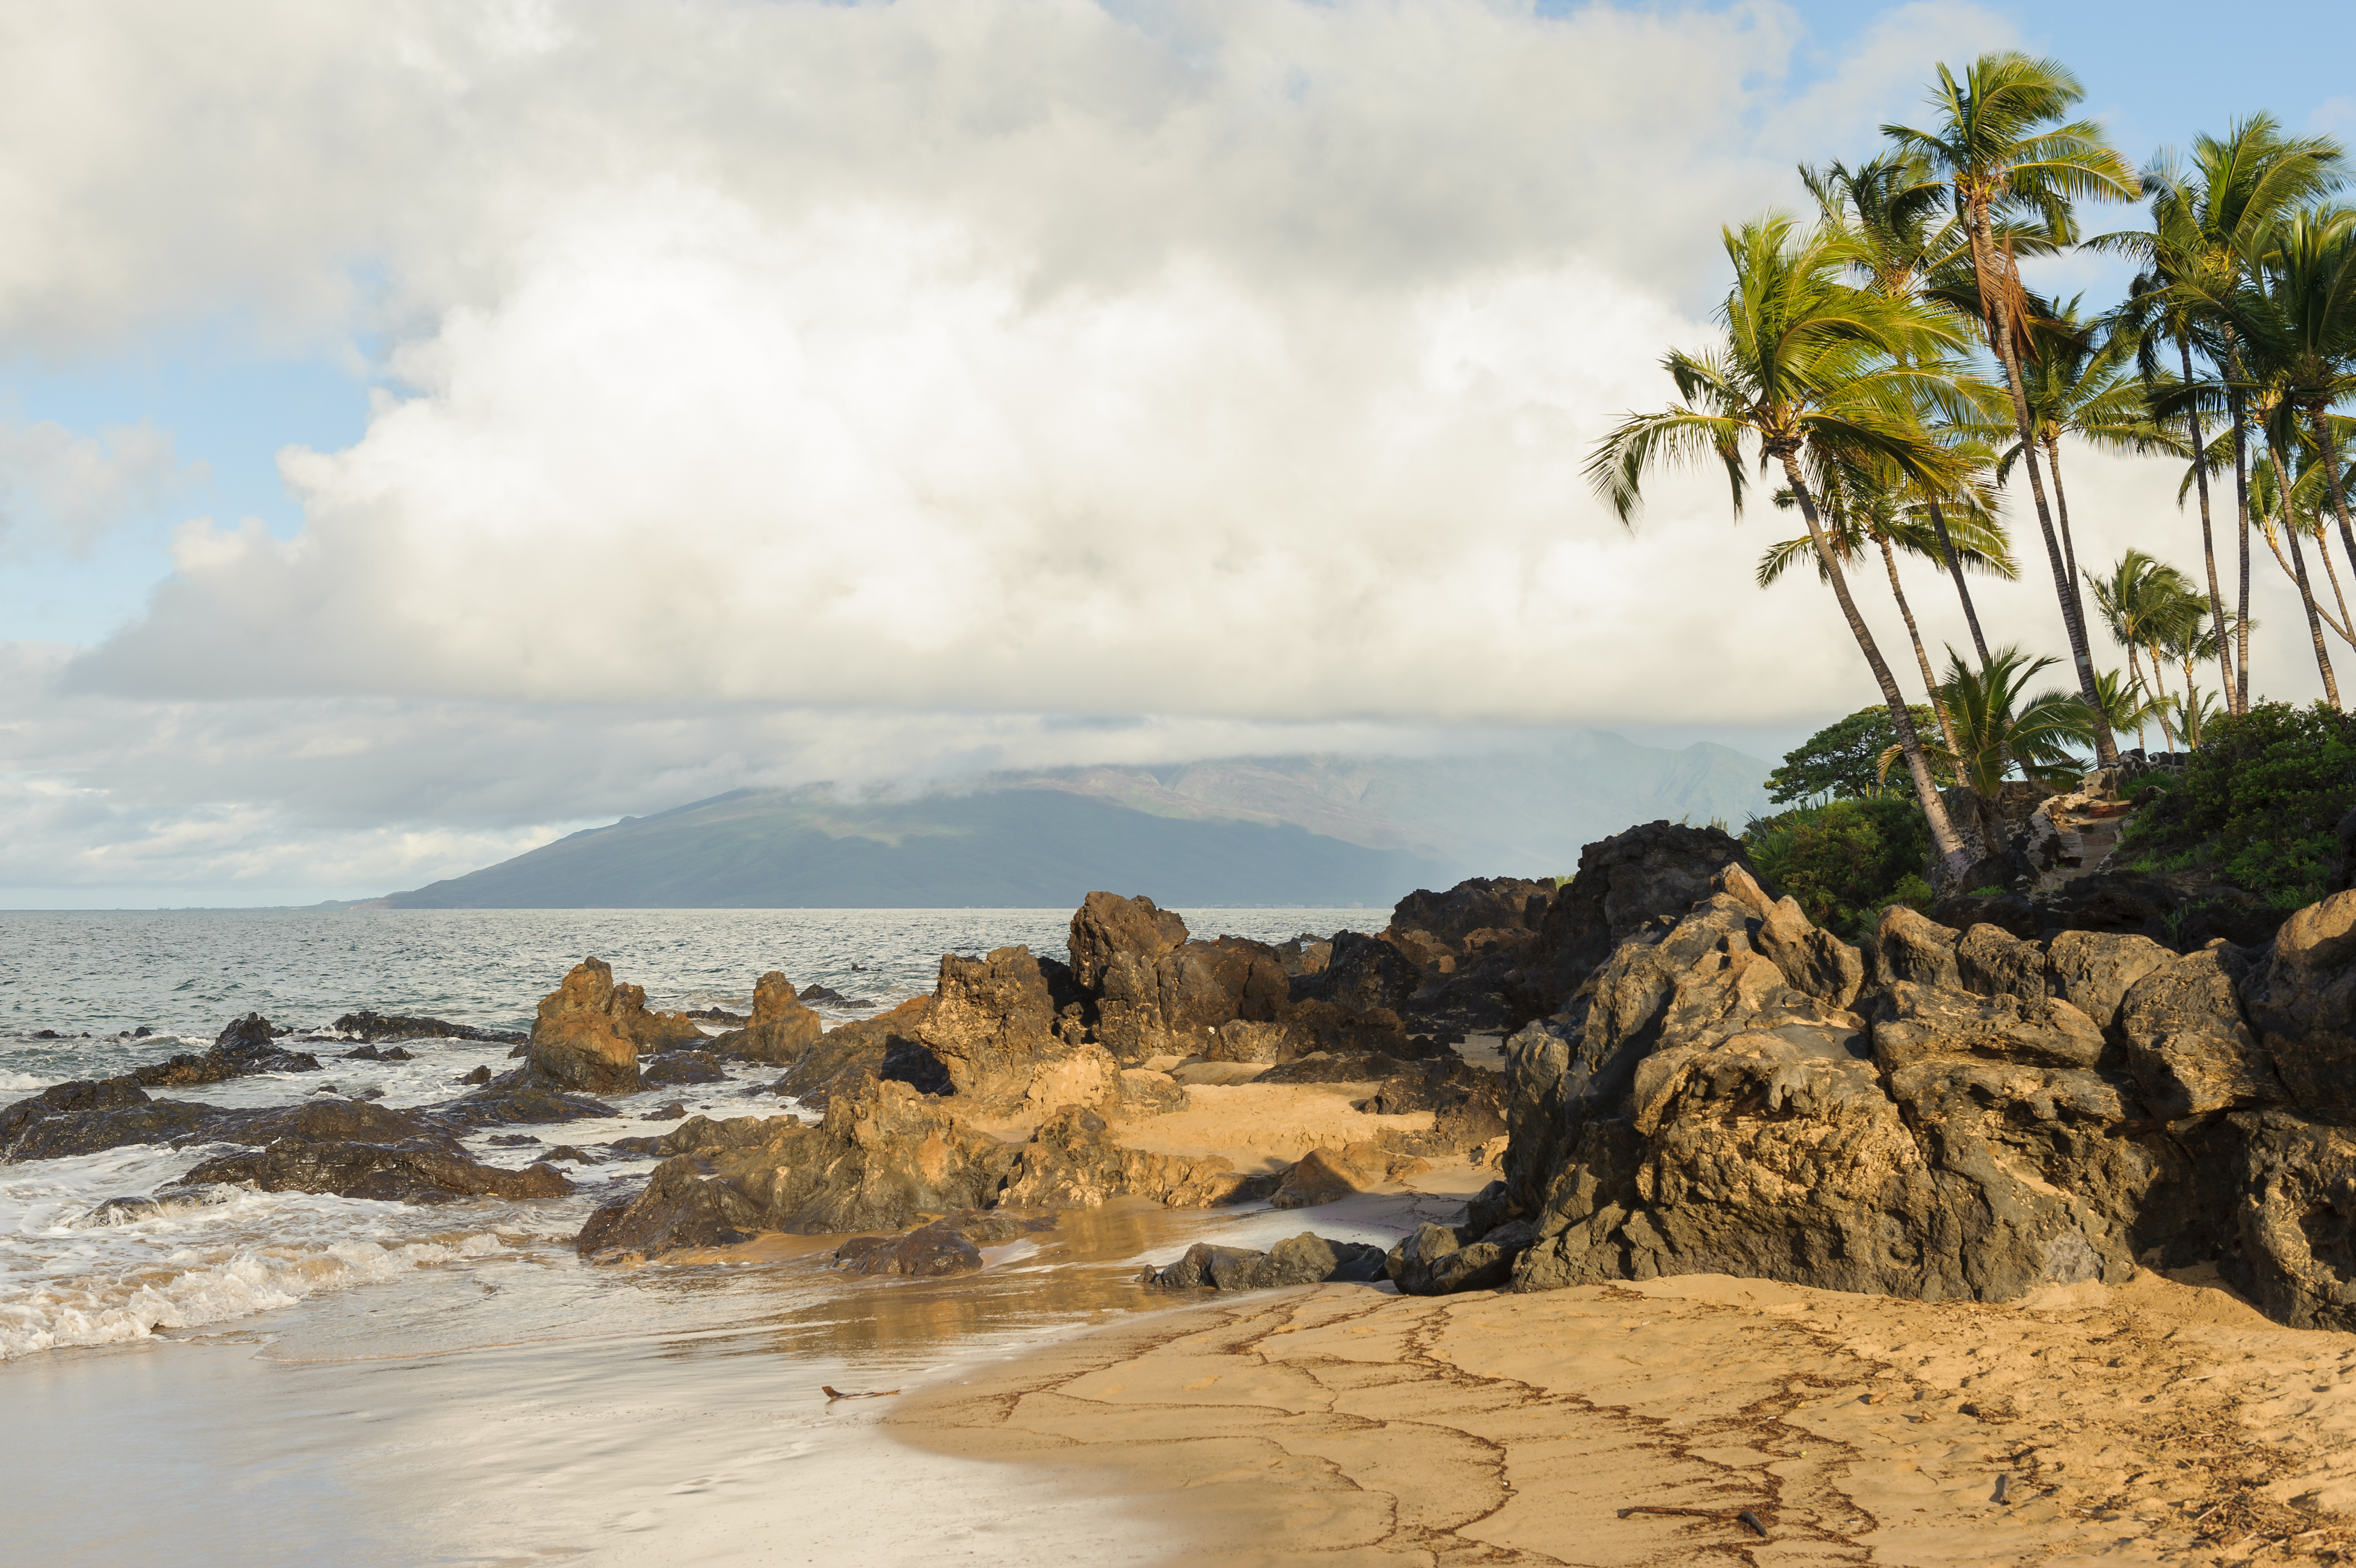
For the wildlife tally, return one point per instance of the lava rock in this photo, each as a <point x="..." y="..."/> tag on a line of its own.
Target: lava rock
<point x="1304" y="1260"/>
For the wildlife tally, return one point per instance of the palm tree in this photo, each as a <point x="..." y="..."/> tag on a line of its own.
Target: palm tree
<point x="1996" y="144"/>
<point x="1809" y="369"/>
<point x="2127" y="705"/>
<point x="1997" y="731"/>
<point x="2308" y="283"/>
<point x="2269" y="400"/>
<point x="2137" y="601"/>
<point x="2203" y="221"/>
<point x="1907" y="246"/>
<point x="2079" y="384"/>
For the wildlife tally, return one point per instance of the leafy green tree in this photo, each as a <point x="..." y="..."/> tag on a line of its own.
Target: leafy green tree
<point x="1845" y="860"/>
<point x="1842" y="761"/>
<point x="2259" y="803"/>
<point x="1996" y="143"/>
<point x="1809" y="369"/>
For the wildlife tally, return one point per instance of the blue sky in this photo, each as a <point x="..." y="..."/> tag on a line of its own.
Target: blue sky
<point x="792" y="392"/>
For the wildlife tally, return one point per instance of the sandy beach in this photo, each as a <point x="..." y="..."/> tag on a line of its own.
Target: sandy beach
<point x="2161" y="1422"/>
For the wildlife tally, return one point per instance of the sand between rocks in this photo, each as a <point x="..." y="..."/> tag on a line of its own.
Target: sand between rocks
<point x="1265" y="1126"/>
<point x="2163" y="1421"/>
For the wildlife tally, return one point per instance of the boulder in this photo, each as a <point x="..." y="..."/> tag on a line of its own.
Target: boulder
<point x="884" y="1154"/>
<point x="681" y="1067"/>
<point x="885" y="1046"/>
<point x="1439" y="1260"/>
<point x="2302" y="999"/>
<point x="2187" y="1042"/>
<point x="85" y="1116"/>
<point x="521" y="1097"/>
<point x="993" y="1027"/>
<point x="1656" y="872"/>
<point x="373" y="1027"/>
<point x="2094" y="970"/>
<point x="1328" y="1174"/>
<point x="247" y="1046"/>
<point x="584" y="1038"/>
<point x="1482" y="912"/>
<point x="2297" y="1253"/>
<point x="1304" y="1260"/>
<point x="1696" y="1111"/>
<point x="1992" y="961"/>
<point x="1115" y="945"/>
<point x="926" y="1252"/>
<point x="781" y="1028"/>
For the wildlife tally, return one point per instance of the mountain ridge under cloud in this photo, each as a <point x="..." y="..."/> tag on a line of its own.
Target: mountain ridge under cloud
<point x="1311" y="830"/>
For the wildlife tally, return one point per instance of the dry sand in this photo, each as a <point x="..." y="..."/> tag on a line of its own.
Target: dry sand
<point x="1340" y="1425"/>
<point x="1265" y="1126"/>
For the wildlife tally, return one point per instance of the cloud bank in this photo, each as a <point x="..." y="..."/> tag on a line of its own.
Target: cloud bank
<point x="786" y="391"/>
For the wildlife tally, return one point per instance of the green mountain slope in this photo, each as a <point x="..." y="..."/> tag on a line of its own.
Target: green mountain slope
<point x="1007" y="848"/>
<point x="1287" y="830"/>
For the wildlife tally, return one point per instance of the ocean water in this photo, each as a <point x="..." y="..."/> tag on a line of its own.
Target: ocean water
<point x="249" y="1262"/>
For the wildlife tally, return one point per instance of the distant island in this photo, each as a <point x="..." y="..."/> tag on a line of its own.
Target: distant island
<point x="1318" y="830"/>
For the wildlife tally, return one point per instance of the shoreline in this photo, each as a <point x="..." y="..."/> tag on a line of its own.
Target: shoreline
<point x="2159" y="1421"/>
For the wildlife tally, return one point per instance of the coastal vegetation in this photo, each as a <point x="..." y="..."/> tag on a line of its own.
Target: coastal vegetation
<point x="1889" y="366"/>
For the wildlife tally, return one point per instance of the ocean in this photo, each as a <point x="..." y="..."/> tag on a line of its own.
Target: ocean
<point x="93" y="979"/>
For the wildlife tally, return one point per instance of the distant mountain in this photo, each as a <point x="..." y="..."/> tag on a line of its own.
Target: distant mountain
<point x="1297" y="830"/>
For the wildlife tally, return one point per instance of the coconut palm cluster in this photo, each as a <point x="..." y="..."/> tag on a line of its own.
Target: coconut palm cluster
<point x="1885" y="370"/>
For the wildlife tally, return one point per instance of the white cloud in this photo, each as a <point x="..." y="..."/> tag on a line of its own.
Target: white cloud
<point x="59" y="487"/>
<point x="1218" y="358"/>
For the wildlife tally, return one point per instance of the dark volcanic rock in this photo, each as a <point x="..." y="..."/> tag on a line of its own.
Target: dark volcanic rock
<point x="993" y="1026"/>
<point x="1651" y="873"/>
<point x="357" y="1150"/>
<point x="88" y="1115"/>
<point x="1441" y="1261"/>
<point x="520" y="1097"/>
<point x="1115" y="945"/>
<point x="2302" y="999"/>
<point x="925" y="1253"/>
<point x="683" y="1067"/>
<point x="1304" y="1260"/>
<point x="375" y="1026"/>
<point x="885" y="1046"/>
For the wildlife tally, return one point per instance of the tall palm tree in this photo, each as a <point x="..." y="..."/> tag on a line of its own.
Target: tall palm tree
<point x="2309" y="282"/>
<point x="2137" y="600"/>
<point x="2278" y="419"/>
<point x="2194" y="257"/>
<point x="1908" y="245"/>
<point x="1997" y="144"/>
<point x="1809" y="369"/>
<point x="2081" y="383"/>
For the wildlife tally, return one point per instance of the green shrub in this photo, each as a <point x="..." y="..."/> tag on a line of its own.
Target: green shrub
<point x="1844" y="860"/>
<point x="2259" y="803"/>
<point x="1844" y="760"/>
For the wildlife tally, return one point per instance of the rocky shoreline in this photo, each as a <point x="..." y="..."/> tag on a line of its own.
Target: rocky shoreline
<point x="1695" y="1080"/>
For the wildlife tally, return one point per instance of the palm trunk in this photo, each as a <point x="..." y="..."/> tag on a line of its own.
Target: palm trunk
<point x="1955" y="570"/>
<point x="1954" y="860"/>
<point x="2134" y="668"/>
<point x="2061" y="517"/>
<point x="2192" y="709"/>
<point x="2344" y="626"/>
<point x="2239" y="411"/>
<point x="1930" y="681"/>
<point x="2207" y="543"/>
<point x="2106" y="750"/>
<point x="2306" y="593"/>
<point x="2329" y="455"/>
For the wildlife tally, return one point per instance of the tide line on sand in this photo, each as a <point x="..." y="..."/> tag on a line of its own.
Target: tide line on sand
<point x="1677" y="1420"/>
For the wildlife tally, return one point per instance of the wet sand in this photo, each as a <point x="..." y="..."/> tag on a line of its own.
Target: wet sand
<point x="2162" y="1421"/>
<point x="536" y="1409"/>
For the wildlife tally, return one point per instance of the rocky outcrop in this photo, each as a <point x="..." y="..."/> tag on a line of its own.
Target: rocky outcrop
<point x="1329" y="1175"/>
<point x="584" y="1038"/>
<point x="881" y="1156"/>
<point x="1985" y="1116"/>
<point x="247" y="1046"/>
<point x="357" y="1150"/>
<point x="1304" y="1260"/>
<point x="1115" y="945"/>
<point x="993" y="1027"/>
<point x="781" y="1028"/>
<point x="1073" y="1161"/>
<point x="86" y="1115"/>
<point x="1648" y="874"/>
<point x="374" y="1028"/>
<point x="949" y="1245"/>
<point x="521" y="1097"/>
<point x="886" y="1047"/>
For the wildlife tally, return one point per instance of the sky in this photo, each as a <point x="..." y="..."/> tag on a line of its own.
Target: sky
<point x="427" y="429"/>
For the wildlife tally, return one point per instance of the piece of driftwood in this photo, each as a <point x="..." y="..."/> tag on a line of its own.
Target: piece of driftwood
<point x="1725" y="1516"/>
<point x="833" y="1394"/>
